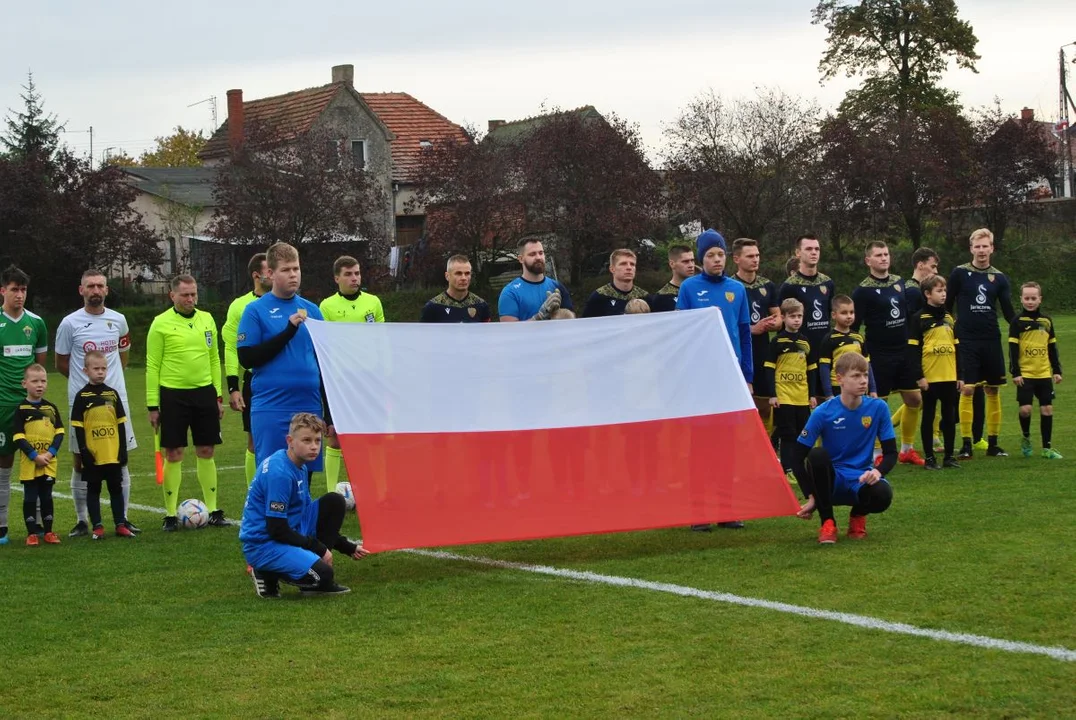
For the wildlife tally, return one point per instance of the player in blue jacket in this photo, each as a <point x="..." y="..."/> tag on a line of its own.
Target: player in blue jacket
<point x="712" y="289"/>
<point x="286" y="535"/>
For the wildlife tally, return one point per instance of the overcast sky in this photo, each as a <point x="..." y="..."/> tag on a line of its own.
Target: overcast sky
<point x="131" y="69"/>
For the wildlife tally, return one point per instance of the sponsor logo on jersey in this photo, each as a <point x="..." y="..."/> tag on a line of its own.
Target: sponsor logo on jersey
<point x="756" y="312"/>
<point x="838" y="421"/>
<point x="894" y="308"/>
<point x="278" y="507"/>
<point x="702" y="293"/>
<point x="816" y="314"/>
<point x="18" y="351"/>
<point x="981" y="296"/>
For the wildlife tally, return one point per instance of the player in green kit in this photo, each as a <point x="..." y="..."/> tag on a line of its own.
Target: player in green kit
<point x="239" y="396"/>
<point x="349" y="304"/>
<point x="183" y="391"/>
<point x="23" y="341"/>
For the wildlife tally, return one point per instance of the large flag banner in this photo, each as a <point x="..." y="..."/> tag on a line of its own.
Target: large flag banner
<point x="476" y="433"/>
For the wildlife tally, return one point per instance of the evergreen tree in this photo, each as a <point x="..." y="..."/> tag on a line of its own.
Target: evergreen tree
<point x="31" y="132"/>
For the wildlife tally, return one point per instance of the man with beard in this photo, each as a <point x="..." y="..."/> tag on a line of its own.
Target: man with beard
<point x="239" y="398"/>
<point x="94" y="327"/>
<point x="532" y="296"/>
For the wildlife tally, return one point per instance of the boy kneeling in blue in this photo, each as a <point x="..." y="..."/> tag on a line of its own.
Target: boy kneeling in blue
<point x="841" y="471"/>
<point x="286" y="534"/>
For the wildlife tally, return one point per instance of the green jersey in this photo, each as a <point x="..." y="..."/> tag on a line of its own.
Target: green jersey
<point x="229" y="336"/>
<point x="181" y="354"/>
<point x="21" y="340"/>
<point x="361" y="307"/>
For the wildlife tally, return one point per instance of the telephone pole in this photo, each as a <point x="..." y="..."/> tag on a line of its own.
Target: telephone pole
<point x="1064" y="142"/>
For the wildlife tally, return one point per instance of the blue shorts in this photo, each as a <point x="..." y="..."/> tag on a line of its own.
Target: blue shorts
<point x="846" y="487"/>
<point x="288" y="560"/>
<point x="269" y="429"/>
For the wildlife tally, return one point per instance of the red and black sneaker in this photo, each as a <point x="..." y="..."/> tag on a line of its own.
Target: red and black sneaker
<point x="123" y="531"/>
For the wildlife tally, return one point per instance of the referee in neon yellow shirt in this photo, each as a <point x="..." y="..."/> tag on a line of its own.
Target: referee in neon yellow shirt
<point x="348" y="304"/>
<point x="183" y="391"/>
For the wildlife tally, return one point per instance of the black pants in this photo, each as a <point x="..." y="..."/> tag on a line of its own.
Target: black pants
<point x="947" y="395"/>
<point x="789" y="421"/>
<point x="38" y="489"/>
<point x="978" y="409"/>
<point x="112" y="476"/>
<point x="872" y="499"/>
<point x="331" y="511"/>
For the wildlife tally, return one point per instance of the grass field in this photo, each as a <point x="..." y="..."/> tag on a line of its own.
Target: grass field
<point x="170" y="624"/>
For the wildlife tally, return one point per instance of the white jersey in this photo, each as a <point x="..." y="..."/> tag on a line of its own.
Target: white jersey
<point x="80" y="332"/>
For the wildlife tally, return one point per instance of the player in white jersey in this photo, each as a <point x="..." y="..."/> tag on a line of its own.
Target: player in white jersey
<point x="94" y="327"/>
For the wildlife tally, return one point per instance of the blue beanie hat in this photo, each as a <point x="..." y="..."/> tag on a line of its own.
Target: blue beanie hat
<point x="710" y="239"/>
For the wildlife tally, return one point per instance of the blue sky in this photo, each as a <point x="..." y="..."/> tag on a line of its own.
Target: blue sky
<point x="131" y="69"/>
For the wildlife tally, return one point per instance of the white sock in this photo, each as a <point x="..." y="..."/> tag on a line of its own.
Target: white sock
<point x="5" y="494"/>
<point x="78" y="492"/>
<point x="905" y="447"/>
<point x="126" y="474"/>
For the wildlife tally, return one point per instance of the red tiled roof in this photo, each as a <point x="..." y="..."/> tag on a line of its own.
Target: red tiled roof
<point x="409" y="120"/>
<point x="412" y="122"/>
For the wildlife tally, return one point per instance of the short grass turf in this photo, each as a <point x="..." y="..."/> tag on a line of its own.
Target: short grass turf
<point x="169" y="624"/>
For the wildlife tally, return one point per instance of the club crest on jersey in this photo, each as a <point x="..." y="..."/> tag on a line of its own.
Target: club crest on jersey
<point x="897" y="287"/>
<point x="990" y="277"/>
<point x="822" y="289"/>
<point x="762" y="292"/>
<point x="867" y="422"/>
<point x="471" y="312"/>
<point x="208" y="339"/>
<point x="27" y="331"/>
<point x="730" y="296"/>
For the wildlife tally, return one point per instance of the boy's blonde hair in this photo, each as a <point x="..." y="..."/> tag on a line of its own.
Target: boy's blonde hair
<point x="841" y="301"/>
<point x="636" y="306"/>
<point x="928" y="285"/>
<point x="93" y="354"/>
<point x="279" y="253"/>
<point x="563" y="314"/>
<point x="32" y="368"/>
<point x="981" y="233"/>
<point x="308" y="421"/>
<point x="1031" y="284"/>
<point x="850" y="362"/>
<point x="791" y="305"/>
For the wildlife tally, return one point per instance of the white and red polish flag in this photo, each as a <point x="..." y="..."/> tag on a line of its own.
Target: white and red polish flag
<point x="477" y="433"/>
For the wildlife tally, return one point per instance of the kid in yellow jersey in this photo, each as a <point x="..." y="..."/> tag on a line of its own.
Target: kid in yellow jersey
<point x="1035" y="367"/>
<point x="38" y="435"/>
<point x="933" y="355"/>
<point x="792" y="375"/>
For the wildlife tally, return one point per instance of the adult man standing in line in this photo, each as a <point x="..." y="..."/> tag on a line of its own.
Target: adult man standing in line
<point x="882" y="308"/>
<point x="23" y="342"/>
<point x="183" y="391"/>
<point x="812" y="288"/>
<point x="682" y="264"/>
<point x="974" y="289"/>
<point x="613" y="297"/>
<point x="765" y="316"/>
<point x="94" y="327"/>
<point x="457" y="304"/>
<point x="239" y="395"/>
<point x="532" y="296"/>
<point x="349" y="304"/>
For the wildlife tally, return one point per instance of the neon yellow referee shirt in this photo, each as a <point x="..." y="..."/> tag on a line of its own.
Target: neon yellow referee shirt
<point x="361" y="307"/>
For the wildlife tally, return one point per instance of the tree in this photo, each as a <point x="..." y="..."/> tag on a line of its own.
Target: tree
<point x="31" y="131"/>
<point x="180" y="149"/>
<point x="585" y="178"/>
<point x="303" y="190"/>
<point x="1011" y="155"/>
<point x="58" y="217"/>
<point x="471" y="203"/>
<point x="900" y="47"/>
<point x="744" y="165"/>
<point x="912" y="130"/>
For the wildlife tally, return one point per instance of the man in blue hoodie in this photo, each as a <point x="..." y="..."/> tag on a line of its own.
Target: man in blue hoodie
<point x="711" y="288"/>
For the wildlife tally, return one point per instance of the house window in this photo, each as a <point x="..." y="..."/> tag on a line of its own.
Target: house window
<point x="358" y="154"/>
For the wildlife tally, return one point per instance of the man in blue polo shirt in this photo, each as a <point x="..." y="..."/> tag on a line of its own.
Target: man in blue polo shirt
<point x="532" y="296"/>
<point x="711" y="288"/>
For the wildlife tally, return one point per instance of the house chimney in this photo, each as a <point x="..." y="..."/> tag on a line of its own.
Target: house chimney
<point x="344" y="74"/>
<point x="235" y="119"/>
<point x="494" y="124"/>
<point x="1027" y="115"/>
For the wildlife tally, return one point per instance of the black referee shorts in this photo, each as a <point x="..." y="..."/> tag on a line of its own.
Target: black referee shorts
<point x="1041" y="389"/>
<point x="248" y="395"/>
<point x="981" y="361"/>
<point x="892" y="372"/>
<point x="194" y="410"/>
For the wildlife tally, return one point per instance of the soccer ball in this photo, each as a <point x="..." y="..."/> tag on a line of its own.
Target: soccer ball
<point x="193" y="514"/>
<point x="344" y="489"/>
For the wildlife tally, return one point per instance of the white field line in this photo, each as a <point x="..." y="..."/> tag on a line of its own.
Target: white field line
<point x="863" y="621"/>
